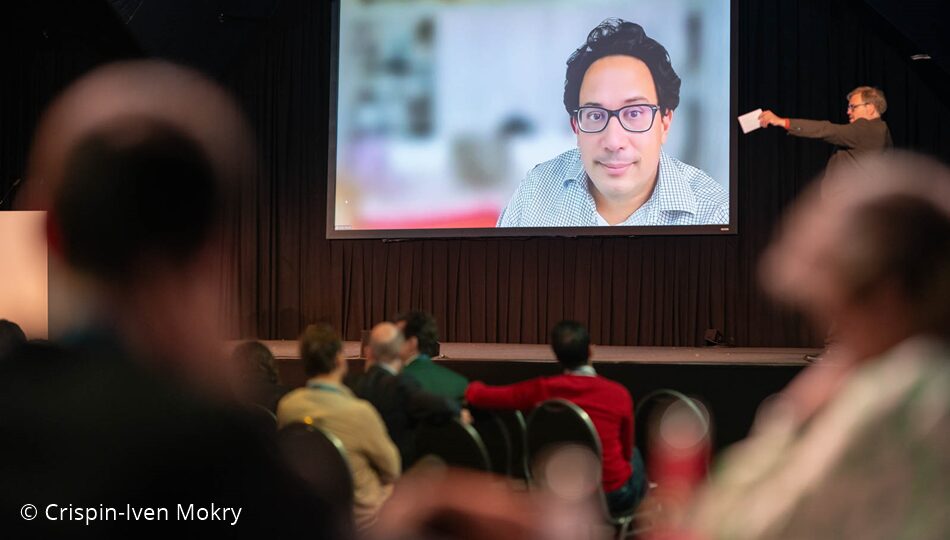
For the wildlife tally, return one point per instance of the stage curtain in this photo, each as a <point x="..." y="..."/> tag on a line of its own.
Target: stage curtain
<point x="797" y="57"/>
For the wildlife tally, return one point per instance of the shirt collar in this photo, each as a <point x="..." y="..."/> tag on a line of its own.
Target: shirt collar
<point x="586" y="370"/>
<point x="387" y="368"/>
<point x="672" y="192"/>
<point x="418" y="358"/>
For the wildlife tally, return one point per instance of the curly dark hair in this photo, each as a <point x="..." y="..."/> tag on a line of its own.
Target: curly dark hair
<point x="422" y="326"/>
<point x="255" y="362"/>
<point x="618" y="37"/>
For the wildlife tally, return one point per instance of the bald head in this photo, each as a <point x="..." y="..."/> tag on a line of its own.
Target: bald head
<point x="385" y="342"/>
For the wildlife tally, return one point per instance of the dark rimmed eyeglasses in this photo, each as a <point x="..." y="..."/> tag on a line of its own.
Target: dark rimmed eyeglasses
<point x="634" y="118"/>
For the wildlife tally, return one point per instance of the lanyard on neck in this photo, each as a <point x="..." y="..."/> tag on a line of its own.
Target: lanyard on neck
<point x="323" y="386"/>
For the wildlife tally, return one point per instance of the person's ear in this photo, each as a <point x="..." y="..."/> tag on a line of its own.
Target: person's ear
<point x="666" y="119"/>
<point x="574" y="125"/>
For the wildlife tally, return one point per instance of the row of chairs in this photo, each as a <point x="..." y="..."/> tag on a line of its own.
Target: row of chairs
<point x="505" y="443"/>
<point x="493" y="443"/>
<point x="501" y="442"/>
<point x="497" y="440"/>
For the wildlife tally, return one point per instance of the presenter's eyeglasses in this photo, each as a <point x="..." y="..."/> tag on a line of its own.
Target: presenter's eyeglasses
<point x="855" y="106"/>
<point x="634" y="118"/>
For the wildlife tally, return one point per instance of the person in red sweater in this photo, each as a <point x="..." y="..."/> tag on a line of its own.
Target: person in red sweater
<point x="608" y="403"/>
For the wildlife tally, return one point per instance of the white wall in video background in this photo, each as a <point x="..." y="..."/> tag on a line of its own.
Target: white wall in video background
<point x="444" y="106"/>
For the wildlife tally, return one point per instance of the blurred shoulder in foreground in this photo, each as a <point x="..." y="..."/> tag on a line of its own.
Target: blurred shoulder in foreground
<point x="857" y="446"/>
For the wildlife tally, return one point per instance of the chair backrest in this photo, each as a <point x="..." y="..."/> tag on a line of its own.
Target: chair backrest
<point x="262" y="417"/>
<point x="659" y="400"/>
<point x="515" y="423"/>
<point x="497" y="440"/>
<point x="564" y="452"/>
<point x="558" y="422"/>
<point x="318" y="457"/>
<point x="565" y="456"/>
<point x="453" y="442"/>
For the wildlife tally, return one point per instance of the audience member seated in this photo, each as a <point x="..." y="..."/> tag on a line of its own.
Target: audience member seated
<point x="421" y="345"/>
<point x="257" y="375"/>
<point x="11" y="336"/>
<point x="403" y="404"/>
<point x="607" y="402"/>
<point x="130" y="409"/>
<point x="858" y="445"/>
<point x="327" y="403"/>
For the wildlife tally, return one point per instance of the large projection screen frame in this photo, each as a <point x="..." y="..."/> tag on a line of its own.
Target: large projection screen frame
<point x="332" y="233"/>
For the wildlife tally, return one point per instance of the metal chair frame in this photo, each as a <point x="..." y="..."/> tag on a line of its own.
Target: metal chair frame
<point x="621" y="522"/>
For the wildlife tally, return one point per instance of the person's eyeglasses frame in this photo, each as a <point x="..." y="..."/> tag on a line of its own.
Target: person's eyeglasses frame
<point x="616" y="113"/>
<point x="856" y="105"/>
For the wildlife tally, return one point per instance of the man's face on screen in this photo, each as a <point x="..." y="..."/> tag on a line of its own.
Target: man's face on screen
<point x="622" y="165"/>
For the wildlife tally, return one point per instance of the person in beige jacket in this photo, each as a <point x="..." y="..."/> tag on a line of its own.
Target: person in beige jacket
<point x="328" y="404"/>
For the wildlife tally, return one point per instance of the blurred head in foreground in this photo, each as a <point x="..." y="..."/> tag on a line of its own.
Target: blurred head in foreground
<point x="875" y="261"/>
<point x="865" y="428"/>
<point x="432" y="502"/>
<point x="134" y="163"/>
<point x="11" y="335"/>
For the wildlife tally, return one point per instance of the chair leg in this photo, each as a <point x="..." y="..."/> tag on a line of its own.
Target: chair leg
<point x="624" y="529"/>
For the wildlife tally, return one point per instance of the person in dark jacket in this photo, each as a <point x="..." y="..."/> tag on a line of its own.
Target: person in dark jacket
<point x="420" y="347"/>
<point x="129" y="416"/>
<point x="400" y="400"/>
<point x="865" y="131"/>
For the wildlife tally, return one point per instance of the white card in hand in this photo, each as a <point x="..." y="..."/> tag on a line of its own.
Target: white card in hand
<point x="750" y="121"/>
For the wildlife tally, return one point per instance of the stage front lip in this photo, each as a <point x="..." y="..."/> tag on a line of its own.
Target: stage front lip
<point x="288" y="350"/>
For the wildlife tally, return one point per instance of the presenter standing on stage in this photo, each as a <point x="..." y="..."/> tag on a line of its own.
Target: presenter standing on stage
<point x="865" y="131"/>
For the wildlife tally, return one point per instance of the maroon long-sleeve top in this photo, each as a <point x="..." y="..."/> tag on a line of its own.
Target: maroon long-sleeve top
<point x="606" y="402"/>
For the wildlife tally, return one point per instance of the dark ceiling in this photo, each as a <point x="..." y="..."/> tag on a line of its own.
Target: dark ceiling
<point x="923" y="25"/>
<point x="214" y="34"/>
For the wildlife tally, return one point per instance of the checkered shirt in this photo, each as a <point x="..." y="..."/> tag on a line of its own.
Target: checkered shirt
<point x="555" y="194"/>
